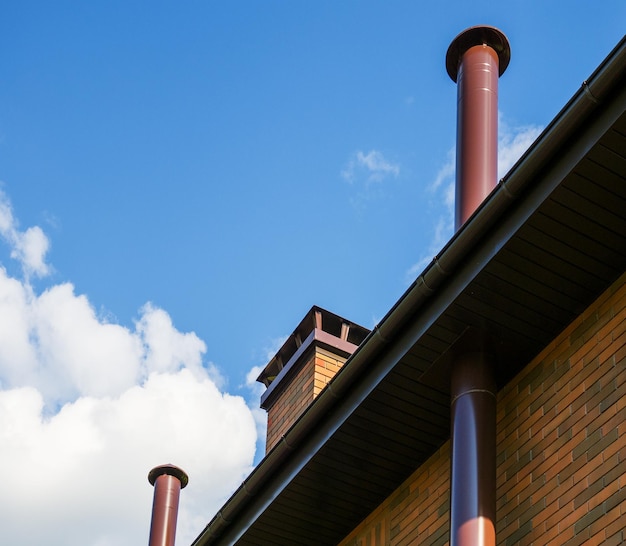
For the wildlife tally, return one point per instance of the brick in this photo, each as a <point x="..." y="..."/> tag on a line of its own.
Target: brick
<point x="572" y="494"/>
<point x="514" y="468"/>
<point x="615" y="420"/>
<point x="612" y="396"/>
<point x="602" y="444"/>
<point x="517" y="535"/>
<point x="588" y="518"/>
<point x="578" y="538"/>
<point x="587" y="493"/>
<point x="615" y="499"/>
<point x="603" y="525"/>
<point x="583" y="446"/>
<point x="549" y="536"/>
<point x="566" y="518"/>
<point x="616" y="524"/>
<point x="614" y="540"/>
<point x="529" y="377"/>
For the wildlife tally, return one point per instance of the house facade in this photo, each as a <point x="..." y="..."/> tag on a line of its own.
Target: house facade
<point x="359" y="449"/>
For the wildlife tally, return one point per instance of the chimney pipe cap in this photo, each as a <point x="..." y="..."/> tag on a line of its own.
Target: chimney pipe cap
<point x="169" y="470"/>
<point x="473" y="36"/>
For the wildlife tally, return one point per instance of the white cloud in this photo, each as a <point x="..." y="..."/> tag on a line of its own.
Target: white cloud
<point x="77" y="353"/>
<point x="445" y="175"/>
<point x="28" y="247"/>
<point x="167" y="349"/>
<point x="256" y="389"/>
<point x="367" y="172"/>
<point x="512" y="143"/>
<point x="251" y="382"/>
<point x="88" y="407"/>
<point x="369" y="167"/>
<point x="84" y="469"/>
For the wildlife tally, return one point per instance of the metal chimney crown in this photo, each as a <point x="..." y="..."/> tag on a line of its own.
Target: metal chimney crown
<point x="473" y="36"/>
<point x="167" y="480"/>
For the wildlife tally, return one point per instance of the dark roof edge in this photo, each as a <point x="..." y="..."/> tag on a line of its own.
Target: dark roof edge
<point x="600" y="85"/>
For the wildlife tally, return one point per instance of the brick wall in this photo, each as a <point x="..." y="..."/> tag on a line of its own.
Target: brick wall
<point x="561" y="449"/>
<point x="319" y="368"/>
<point x="562" y="436"/>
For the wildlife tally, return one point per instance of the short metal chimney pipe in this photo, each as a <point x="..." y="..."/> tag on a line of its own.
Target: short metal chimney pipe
<point x="475" y="60"/>
<point x="167" y="480"/>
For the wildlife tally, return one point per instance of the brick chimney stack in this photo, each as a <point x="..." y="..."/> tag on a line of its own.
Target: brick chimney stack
<point x="303" y="366"/>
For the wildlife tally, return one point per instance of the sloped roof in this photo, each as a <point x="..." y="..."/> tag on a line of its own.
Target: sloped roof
<point x="547" y="241"/>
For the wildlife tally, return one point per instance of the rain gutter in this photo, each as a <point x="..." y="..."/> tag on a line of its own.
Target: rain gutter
<point x="368" y="365"/>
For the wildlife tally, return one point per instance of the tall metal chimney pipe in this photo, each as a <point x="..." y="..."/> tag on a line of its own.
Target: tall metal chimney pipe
<point x="167" y="480"/>
<point x="475" y="59"/>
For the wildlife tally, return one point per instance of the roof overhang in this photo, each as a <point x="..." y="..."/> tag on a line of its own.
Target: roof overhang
<point x="548" y="240"/>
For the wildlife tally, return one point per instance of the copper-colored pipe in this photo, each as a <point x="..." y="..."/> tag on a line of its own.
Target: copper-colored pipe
<point x="167" y="480"/>
<point x="473" y="464"/>
<point x="475" y="60"/>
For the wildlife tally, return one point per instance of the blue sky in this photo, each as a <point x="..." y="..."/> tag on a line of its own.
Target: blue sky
<point x="203" y="173"/>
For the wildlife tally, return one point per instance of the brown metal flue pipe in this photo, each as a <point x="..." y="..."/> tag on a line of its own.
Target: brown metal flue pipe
<point x="473" y="459"/>
<point x="167" y="480"/>
<point x="475" y="60"/>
